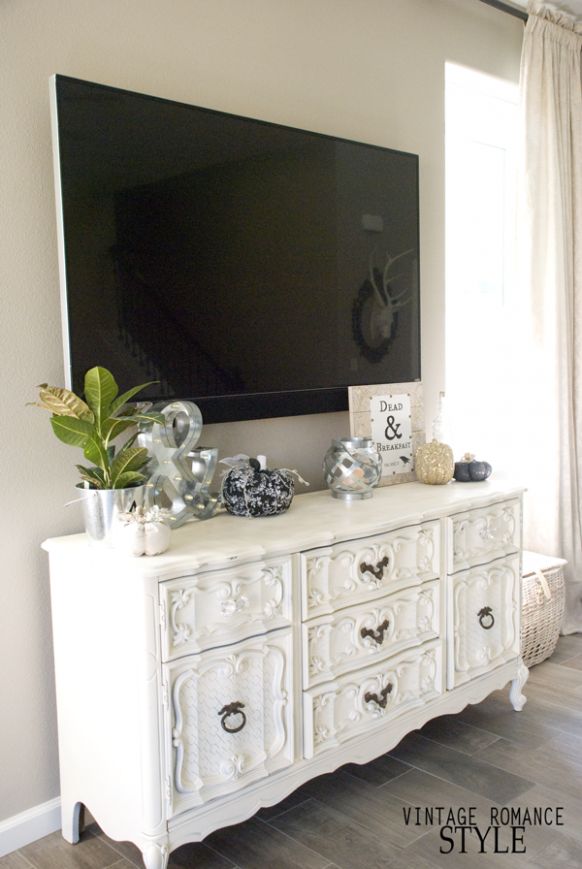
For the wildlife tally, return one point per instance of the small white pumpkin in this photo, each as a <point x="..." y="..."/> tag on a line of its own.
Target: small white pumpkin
<point x="130" y="538"/>
<point x="142" y="532"/>
<point x="157" y="537"/>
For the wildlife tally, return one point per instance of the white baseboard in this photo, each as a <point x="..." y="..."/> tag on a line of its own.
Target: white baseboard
<point x="28" y="826"/>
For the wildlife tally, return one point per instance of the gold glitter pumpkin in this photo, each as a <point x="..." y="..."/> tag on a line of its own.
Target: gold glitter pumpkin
<point x="434" y="463"/>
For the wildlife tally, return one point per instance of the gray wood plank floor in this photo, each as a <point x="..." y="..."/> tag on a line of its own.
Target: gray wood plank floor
<point x="486" y="756"/>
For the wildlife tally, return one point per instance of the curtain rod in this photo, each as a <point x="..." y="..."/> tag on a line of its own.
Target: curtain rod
<point x="505" y="7"/>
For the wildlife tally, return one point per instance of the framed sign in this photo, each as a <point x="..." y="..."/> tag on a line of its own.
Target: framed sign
<point x="392" y="414"/>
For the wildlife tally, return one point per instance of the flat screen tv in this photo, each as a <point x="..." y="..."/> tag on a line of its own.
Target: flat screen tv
<point x="253" y="268"/>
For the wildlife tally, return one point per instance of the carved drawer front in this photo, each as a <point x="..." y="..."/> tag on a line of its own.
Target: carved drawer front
<point x="361" y="570"/>
<point x="224" y="606"/>
<point x="484" y="608"/>
<point x="354" y="637"/>
<point x="481" y="535"/>
<point x="229" y="719"/>
<point x="361" y="701"/>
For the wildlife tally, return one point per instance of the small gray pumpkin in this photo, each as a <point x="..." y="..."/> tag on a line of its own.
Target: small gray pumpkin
<point x="248" y="490"/>
<point x="470" y="471"/>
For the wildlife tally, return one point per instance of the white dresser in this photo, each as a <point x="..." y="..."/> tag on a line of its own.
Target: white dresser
<point x="197" y="686"/>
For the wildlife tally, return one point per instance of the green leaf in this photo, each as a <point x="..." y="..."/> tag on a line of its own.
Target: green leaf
<point x="145" y="416"/>
<point x="129" y="442"/>
<point x="95" y="476"/>
<point x="150" y="416"/>
<point x="100" y="392"/>
<point x="69" y="430"/>
<point x="129" y="459"/>
<point x="114" y="427"/>
<point x="128" y="479"/>
<point x="62" y="402"/>
<point x="126" y="396"/>
<point x="96" y="453"/>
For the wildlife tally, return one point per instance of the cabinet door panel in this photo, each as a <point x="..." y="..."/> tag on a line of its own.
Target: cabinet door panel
<point x="356" y="636"/>
<point x="230" y="718"/>
<point x="484" y="609"/>
<point x="362" y="570"/>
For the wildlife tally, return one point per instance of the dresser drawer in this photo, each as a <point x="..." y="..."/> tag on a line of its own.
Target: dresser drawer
<point x="355" y="637"/>
<point x="484" y="613"/>
<point x="482" y="535"/>
<point x="224" y="606"/>
<point x="229" y="720"/>
<point x="362" y="570"/>
<point x="366" y="699"/>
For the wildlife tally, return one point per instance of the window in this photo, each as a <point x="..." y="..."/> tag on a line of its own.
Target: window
<point x="481" y="124"/>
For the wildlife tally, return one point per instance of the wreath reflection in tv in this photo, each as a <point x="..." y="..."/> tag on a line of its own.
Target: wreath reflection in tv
<point x="375" y="310"/>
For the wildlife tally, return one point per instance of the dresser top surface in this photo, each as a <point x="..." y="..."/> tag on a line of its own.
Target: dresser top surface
<point x="313" y="520"/>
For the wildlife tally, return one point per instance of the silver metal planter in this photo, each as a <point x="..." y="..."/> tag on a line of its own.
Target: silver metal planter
<point x="101" y="508"/>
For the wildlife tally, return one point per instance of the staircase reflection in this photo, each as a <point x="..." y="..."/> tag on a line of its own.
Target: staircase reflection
<point x="158" y="340"/>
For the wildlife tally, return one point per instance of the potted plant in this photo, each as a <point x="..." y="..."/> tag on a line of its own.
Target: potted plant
<point x="113" y="480"/>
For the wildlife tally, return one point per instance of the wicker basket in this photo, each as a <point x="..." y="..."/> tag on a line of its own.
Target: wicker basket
<point x="542" y="606"/>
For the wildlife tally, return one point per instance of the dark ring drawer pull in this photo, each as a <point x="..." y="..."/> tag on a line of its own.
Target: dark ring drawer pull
<point x="486" y="618"/>
<point x="378" y="634"/>
<point x="377" y="571"/>
<point x="382" y="700"/>
<point x="232" y="709"/>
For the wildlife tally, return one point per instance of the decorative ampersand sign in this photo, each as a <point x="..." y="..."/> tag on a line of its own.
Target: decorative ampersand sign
<point x="392" y="431"/>
<point x="177" y="478"/>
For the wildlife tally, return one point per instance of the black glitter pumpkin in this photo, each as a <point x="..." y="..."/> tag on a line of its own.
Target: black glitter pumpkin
<point x="249" y="491"/>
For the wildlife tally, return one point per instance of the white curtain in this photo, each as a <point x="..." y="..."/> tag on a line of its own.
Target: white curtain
<point x="551" y="263"/>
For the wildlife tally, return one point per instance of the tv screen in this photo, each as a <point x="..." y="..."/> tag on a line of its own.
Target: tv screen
<point x="255" y="269"/>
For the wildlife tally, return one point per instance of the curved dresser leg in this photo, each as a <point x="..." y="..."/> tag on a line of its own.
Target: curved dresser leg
<point x="71" y="821"/>
<point x="156" y="857"/>
<point x="517" y="698"/>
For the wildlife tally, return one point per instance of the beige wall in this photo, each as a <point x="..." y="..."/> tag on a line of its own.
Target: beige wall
<point x="363" y="69"/>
